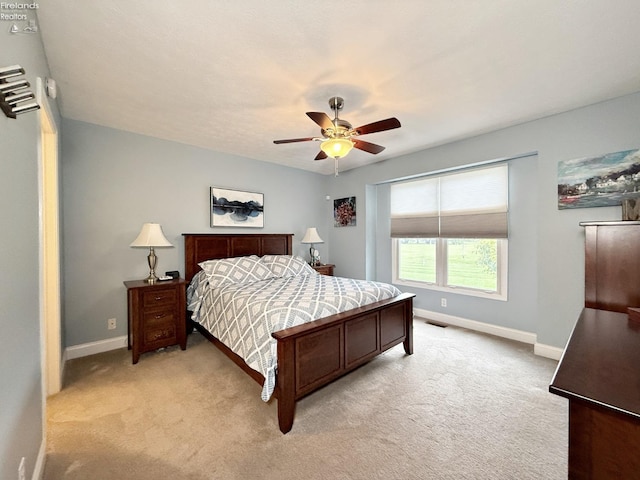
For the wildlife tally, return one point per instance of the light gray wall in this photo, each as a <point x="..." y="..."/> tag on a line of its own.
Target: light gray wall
<point x="21" y="432"/>
<point x="546" y="301"/>
<point x="115" y="181"/>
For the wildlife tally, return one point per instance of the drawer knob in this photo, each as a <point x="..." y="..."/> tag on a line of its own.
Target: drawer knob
<point x="160" y="315"/>
<point x="159" y="298"/>
<point x="161" y="334"/>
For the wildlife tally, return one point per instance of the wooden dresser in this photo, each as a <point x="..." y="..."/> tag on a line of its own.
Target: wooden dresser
<point x="599" y="372"/>
<point x="156" y="315"/>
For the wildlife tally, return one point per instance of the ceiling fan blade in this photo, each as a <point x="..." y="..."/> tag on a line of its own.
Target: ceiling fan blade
<point x="321" y="119"/>
<point x="321" y="155"/>
<point x="366" y="146"/>
<point x="379" y="126"/>
<point x="292" y="140"/>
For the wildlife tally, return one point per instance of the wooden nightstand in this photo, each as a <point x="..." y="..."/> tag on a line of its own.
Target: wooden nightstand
<point x="324" y="269"/>
<point x="156" y="315"/>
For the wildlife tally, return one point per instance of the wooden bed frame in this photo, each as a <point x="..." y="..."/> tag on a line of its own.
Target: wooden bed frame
<point x="314" y="354"/>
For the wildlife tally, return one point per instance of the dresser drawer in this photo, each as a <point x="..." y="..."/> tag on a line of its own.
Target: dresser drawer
<point x="158" y="298"/>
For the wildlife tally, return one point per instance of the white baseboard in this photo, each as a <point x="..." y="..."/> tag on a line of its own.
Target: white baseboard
<point x="91" y="348"/>
<point x="38" y="469"/>
<point x="504" y="332"/>
<point x="548" y="351"/>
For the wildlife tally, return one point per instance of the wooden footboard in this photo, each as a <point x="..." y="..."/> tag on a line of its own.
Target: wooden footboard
<point x="314" y="354"/>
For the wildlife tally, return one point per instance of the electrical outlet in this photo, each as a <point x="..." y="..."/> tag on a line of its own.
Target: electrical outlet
<point x="443" y="302"/>
<point x="111" y="324"/>
<point x="21" y="474"/>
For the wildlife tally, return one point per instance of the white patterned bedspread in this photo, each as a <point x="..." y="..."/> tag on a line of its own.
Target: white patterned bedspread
<point x="242" y="316"/>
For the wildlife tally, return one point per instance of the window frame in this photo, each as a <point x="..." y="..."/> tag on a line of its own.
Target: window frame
<point x="441" y="272"/>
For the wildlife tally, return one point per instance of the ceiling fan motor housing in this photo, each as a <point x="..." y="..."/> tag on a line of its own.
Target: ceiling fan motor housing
<point x="342" y="129"/>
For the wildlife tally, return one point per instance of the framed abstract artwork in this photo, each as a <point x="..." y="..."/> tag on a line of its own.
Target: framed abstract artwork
<point x="235" y="208"/>
<point x="344" y="212"/>
<point x="601" y="181"/>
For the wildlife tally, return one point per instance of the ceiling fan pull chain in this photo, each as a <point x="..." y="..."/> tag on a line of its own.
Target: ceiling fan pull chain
<point x="335" y="166"/>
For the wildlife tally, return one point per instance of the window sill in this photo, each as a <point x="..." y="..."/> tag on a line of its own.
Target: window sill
<point x="457" y="290"/>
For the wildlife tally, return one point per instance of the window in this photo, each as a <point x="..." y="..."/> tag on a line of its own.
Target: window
<point x="450" y="232"/>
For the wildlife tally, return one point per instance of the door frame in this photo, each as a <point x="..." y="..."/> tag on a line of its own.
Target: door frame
<point x="49" y="254"/>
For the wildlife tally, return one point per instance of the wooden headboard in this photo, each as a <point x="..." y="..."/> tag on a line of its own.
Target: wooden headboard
<point x="199" y="247"/>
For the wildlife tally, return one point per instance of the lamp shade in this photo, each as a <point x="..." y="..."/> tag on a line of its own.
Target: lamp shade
<point x="151" y="236"/>
<point x="336" y="147"/>
<point x="311" y="236"/>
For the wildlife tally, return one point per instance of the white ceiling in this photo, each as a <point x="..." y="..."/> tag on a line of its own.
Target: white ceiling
<point x="233" y="76"/>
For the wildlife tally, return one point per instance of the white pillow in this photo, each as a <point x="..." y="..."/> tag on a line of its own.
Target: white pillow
<point x="235" y="270"/>
<point x="287" y="265"/>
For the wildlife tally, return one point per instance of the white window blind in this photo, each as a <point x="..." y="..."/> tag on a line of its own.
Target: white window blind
<point x="414" y="208"/>
<point x="470" y="204"/>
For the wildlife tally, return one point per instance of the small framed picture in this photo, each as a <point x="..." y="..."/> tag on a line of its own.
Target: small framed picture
<point x="235" y="208"/>
<point x="344" y="212"/>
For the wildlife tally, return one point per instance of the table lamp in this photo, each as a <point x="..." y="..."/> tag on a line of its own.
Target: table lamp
<point x="312" y="237"/>
<point x="151" y="236"/>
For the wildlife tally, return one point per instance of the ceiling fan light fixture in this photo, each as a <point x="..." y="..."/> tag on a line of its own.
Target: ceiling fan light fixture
<point x="336" y="147"/>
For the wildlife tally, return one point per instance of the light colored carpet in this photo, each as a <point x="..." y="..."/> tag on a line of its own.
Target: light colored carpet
<point x="463" y="406"/>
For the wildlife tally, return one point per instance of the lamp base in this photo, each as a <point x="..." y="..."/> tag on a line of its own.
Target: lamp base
<point x="315" y="261"/>
<point x="151" y="279"/>
<point x="152" y="259"/>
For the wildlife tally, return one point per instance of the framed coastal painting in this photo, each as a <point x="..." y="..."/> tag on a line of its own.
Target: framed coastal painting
<point x="344" y="212"/>
<point x="235" y="208"/>
<point x="601" y="181"/>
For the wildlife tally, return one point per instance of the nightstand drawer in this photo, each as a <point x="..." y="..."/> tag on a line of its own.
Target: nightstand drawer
<point x="163" y="336"/>
<point x="158" y="298"/>
<point x="324" y="269"/>
<point x="158" y="317"/>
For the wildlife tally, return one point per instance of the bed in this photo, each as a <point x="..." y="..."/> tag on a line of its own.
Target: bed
<point x="312" y="354"/>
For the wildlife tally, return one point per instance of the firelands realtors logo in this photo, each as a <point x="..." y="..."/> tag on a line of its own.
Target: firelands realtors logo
<point x="12" y="11"/>
<point x="18" y="12"/>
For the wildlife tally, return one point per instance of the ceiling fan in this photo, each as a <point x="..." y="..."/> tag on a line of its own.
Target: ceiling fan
<point x="338" y="136"/>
